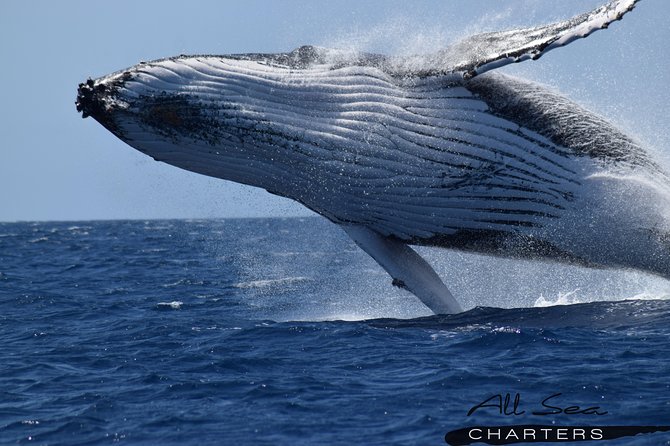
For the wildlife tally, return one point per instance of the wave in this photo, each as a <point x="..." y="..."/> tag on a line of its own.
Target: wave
<point x="619" y="315"/>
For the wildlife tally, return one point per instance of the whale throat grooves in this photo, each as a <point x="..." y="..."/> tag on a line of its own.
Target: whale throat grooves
<point x="415" y="160"/>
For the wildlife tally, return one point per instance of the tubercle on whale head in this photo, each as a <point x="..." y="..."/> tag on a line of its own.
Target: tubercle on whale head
<point x="137" y="95"/>
<point x="87" y="103"/>
<point x="98" y="99"/>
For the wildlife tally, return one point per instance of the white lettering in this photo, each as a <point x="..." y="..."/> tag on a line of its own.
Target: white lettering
<point x="529" y="434"/>
<point x="579" y="433"/>
<point x="596" y="434"/>
<point x="491" y="433"/>
<point x="561" y="434"/>
<point x="475" y="438"/>
<point x="511" y="434"/>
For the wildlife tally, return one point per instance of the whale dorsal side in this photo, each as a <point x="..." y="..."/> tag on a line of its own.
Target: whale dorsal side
<point x="467" y="58"/>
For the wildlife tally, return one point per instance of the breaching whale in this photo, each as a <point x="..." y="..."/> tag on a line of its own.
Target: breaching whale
<point x="432" y="150"/>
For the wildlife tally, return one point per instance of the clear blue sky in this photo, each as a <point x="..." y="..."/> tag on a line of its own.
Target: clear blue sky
<point x="56" y="166"/>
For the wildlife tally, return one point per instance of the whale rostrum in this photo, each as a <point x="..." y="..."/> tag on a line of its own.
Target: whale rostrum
<point x="431" y="150"/>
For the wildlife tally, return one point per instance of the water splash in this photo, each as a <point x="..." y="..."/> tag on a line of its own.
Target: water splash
<point x="265" y="283"/>
<point x="569" y="298"/>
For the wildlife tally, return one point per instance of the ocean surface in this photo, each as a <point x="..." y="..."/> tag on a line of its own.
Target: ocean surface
<point x="281" y="331"/>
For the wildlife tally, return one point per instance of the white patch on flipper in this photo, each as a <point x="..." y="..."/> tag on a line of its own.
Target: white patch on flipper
<point x="407" y="268"/>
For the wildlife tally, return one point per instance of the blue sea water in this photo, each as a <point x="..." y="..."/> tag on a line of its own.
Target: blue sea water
<point x="231" y="332"/>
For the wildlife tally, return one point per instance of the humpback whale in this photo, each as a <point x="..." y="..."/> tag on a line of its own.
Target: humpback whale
<point x="428" y="150"/>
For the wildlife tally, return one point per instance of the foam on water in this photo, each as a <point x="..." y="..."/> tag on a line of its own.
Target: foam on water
<point x="573" y="297"/>
<point x="568" y="298"/>
<point x="174" y="305"/>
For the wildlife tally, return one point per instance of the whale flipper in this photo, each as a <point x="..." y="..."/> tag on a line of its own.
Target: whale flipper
<point x="407" y="268"/>
<point x="483" y="52"/>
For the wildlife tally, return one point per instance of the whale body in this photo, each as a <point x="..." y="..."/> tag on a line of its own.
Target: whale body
<point x="432" y="150"/>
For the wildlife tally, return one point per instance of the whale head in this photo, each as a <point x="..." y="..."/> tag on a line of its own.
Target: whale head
<point x="294" y="124"/>
<point x="170" y="121"/>
<point x="214" y="116"/>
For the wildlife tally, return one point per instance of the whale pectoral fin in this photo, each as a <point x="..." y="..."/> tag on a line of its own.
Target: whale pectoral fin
<point x="483" y="52"/>
<point x="407" y="268"/>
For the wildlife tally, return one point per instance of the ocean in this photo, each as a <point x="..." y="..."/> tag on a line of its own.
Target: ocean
<point x="281" y="331"/>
